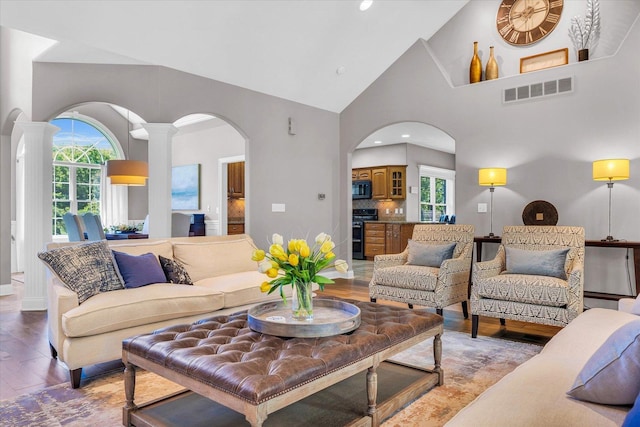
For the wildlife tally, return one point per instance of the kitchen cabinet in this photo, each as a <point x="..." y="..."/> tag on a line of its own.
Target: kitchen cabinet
<point x="235" y="228"/>
<point x="389" y="182"/>
<point x="235" y="180"/>
<point x="374" y="239"/>
<point x="386" y="238"/>
<point x="361" y="174"/>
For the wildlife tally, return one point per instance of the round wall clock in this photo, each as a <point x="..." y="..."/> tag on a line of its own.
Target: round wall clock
<point x="523" y="22"/>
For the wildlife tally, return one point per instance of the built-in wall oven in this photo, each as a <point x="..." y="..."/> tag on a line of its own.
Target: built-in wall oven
<point x="359" y="217"/>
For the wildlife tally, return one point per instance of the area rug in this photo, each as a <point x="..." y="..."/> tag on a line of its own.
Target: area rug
<point x="470" y="366"/>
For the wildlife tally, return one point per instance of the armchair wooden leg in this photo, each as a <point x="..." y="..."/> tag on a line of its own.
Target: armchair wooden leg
<point x="410" y="306"/>
<point x="54" y="352"/>
<point x="372" y="299"/>
<point x="439" y="311"/>
<point x="474" y="325"/>
<point x="465" y="310"/>
<point x="75" y="375"/>
<point x="502" y="322"/>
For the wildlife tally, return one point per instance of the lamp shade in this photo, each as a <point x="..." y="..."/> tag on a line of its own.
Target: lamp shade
<point x="492" y="177"/>
<point x="127" y="172"/>
<point x="611" y="170"/>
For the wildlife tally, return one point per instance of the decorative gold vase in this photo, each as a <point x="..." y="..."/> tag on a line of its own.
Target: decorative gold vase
<point x="475" y="69"/>
<point x="491" y="71"/>
<point x="302" y="301"/>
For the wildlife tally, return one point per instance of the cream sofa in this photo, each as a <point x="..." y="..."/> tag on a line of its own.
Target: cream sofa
<point x="225" y="280"/>
<point x="534" y="394"/>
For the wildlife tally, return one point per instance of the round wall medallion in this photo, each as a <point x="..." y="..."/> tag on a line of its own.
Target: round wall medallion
<point x="540" y="212"/>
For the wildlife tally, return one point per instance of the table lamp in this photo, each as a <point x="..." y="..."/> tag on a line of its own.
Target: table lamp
<point x="610" y="170"/>
<point x="492" y="177"/>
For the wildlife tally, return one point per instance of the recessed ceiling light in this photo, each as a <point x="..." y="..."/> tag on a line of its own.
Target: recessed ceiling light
<point x="366" y="4"/>
<point x="340" y="70"/>
<point x="406" y="135"/>
<point x="377" y="142"/>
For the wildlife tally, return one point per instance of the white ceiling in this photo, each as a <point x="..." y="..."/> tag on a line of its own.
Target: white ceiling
<point x="286" y="48"/>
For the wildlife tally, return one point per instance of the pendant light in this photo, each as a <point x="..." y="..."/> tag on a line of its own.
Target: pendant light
<point x="127" y="172"/>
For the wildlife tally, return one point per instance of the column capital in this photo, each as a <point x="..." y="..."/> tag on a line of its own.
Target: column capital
<point x="159" y="129"/>
<point x="44" y="128"/>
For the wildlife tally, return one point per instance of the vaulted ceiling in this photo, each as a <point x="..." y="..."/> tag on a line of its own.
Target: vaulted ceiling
<point x="321" y="53"/>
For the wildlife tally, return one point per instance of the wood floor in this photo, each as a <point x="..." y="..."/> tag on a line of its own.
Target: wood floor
<point x="26" y="364"/>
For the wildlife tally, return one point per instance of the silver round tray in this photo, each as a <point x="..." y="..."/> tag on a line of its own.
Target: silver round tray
<point x="330" y="317"/>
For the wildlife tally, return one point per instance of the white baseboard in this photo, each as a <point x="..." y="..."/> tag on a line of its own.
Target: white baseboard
<point x="333" y="274"/>
<point x="6" y="290"/>
<point x="34" y="304"/>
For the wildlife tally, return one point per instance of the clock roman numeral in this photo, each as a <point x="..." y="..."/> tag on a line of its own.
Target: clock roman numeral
<point x="554" y="4"/>
<point x="552" y="17"/>
<point x="513" y="38"/>
<point x="506" y="6"/>
<point x="528" y="37"/>
<point x="503" y="19"/>
<point x="505" y="30"/>
<point x="542" y="31"/>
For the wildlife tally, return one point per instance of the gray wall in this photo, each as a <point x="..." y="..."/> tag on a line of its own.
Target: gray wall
<point x="547" y="145"/>
<point x="283" y="168"/>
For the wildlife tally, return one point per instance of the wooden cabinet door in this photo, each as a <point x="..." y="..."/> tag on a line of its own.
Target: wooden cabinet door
<point x="364" y="174"/>
<point x="406" y="231"/>
<point x="392" y="242"/>
<point x="397" y="182"/>
<point x="354" y="174"/>
<point x="235" y="180"/>
<point x="379" y="183"/>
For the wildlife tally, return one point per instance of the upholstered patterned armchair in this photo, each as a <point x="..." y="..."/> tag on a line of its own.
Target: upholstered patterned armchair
<point x="537" y="276"/>
<point x="396" y="277"/>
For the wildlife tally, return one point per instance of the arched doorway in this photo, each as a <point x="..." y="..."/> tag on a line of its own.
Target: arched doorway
<point x="429" y="156"/>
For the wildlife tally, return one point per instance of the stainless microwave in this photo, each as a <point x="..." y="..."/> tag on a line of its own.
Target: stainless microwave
<point x="361" y="189"/>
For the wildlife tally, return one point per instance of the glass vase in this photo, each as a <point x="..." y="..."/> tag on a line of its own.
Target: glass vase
<point x="302" y="301"/>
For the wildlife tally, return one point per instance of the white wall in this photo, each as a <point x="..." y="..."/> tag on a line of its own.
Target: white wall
<point x="547" y="145"/>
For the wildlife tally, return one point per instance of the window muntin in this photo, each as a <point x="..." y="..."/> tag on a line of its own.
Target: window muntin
<point x="437" y="193"/>
<point x="79" y="150"/>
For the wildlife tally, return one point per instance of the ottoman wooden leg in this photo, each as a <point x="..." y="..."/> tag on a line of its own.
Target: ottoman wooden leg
<point x="129" y="392"/>
<point x="437" y="358"/>
<point x="372" y="395"/>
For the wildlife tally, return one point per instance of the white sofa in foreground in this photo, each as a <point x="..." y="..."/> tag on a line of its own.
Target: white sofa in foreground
<point x="224" y="277"/>
<point x="534" y="394"/>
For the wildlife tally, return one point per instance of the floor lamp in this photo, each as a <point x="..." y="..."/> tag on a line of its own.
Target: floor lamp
<point x="610" y="170"/>
<point x="492" y="177"/>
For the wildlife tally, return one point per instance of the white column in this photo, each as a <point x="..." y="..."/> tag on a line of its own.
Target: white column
<point x="6" y="242"/>
<point x="159" y="182"/>
<point x="38" y="143"/>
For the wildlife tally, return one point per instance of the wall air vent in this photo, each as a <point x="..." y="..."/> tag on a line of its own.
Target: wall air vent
<point x="538" y="90"/>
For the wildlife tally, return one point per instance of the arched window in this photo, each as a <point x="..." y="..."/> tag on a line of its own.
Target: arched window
<point x="79" y="150"/>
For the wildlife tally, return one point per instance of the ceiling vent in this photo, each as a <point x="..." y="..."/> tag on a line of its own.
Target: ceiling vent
<point x="538" y="90"/>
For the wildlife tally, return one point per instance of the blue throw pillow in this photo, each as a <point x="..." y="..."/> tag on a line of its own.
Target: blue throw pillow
<point x="429" y="255"/>
<point x="539" y="263"/>
<point x="139" y="270"/>
<point x="611" y="376"/>
<point x="633" y="417"/>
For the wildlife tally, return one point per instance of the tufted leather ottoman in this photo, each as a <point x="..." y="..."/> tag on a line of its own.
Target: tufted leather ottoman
<point x="256" y="374"/>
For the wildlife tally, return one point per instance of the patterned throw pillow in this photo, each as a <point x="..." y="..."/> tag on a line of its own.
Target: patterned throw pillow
<point x="139" y="270"/>
<point x="87" y="269"/>
<point x="175" y="271"/>
<point x="429" y="255"/>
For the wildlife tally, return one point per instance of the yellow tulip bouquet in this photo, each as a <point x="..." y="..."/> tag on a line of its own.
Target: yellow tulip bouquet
<point x="298" y="265"/>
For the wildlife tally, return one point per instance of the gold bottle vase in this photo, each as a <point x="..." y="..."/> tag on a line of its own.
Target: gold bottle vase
<point x="475" y="69"/>
<point x="491" y="72"/>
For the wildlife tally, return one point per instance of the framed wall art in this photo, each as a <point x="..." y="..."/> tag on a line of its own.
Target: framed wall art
<point x="544" y="60"/>
<point x="185" y="187"/>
